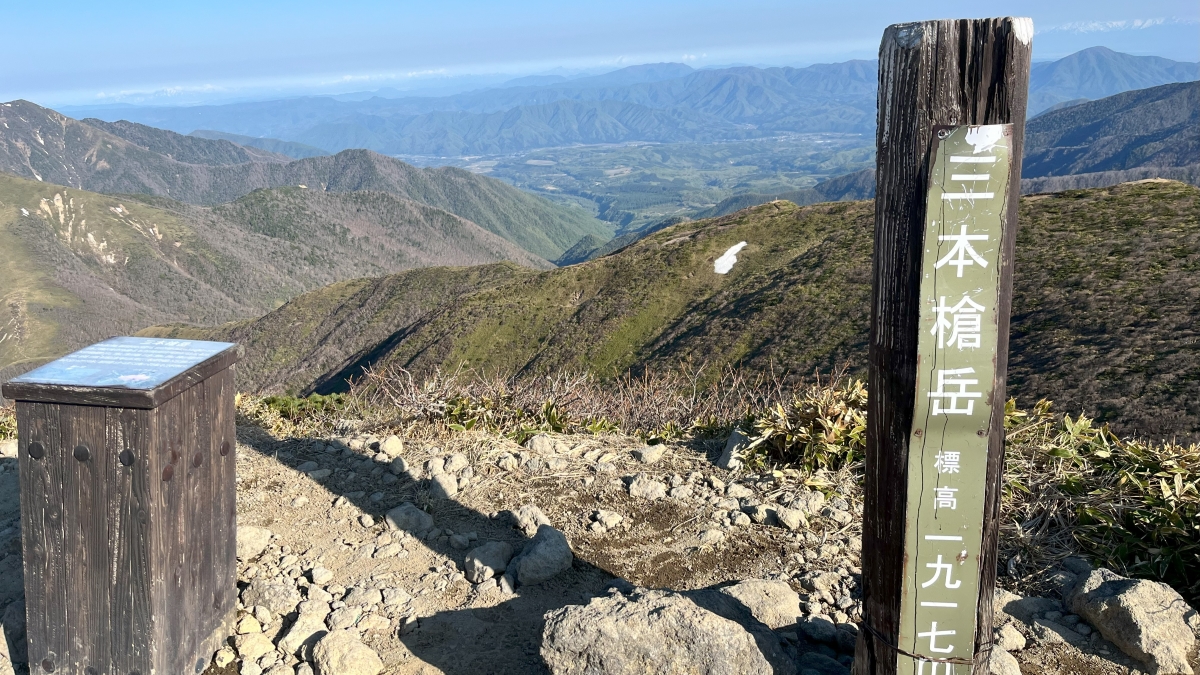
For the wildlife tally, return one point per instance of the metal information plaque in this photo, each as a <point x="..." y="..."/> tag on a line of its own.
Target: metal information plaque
<point x="968" y="190"/>
<point x="128" y="362"/>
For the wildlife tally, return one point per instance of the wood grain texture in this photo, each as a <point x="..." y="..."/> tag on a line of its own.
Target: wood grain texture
<point x="951" y="72"/>
<point x="120" y="397"/>
<point x="129" y="532"/>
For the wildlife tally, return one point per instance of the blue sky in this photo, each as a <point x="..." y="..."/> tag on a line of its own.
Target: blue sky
<point x="75" y="52"/>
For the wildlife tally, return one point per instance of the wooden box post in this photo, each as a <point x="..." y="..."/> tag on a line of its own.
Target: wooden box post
<point x="952" y="98"/>
<point x="128" y="512"/>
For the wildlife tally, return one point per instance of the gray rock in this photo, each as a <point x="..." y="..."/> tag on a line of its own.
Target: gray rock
<point x="1026" y="609"/>
<point x="816" y="662"/>
<point x="409" y="518"/>
<point x="1145" y="619"/>
<point x="651" y="632"/>
<point x="487" y="561"/>
<point x="443" y="486"/>
<point x="838" y="516"/>
<point x="763" y="515"/>
<point x="456" y="462"/>
<point x="1061" y="581"/>
<point x="279" y="597"/>
<point x="711" y="536"/>
<point x="810" y="502"/>
<point x="731" y="456"/>
<point x="1048" y="632"/>
<point x="305" y="669"/>
<point x="304" y="633"/>
<point x="343" y="618"/>
<point x="310" y="465"/>
<point x="819" y="629"/>
<point x="545" y="556"/>
<point x="8" y="448"/>
<point x="1076" y="565"/>
<point x="542" y="444"/>
<point x="342" y="653"/>
<point x="737" y="491"/>
<point x="1003" y="663"/>
<point x="252" y="541"/>
<point x="792" y="519"/>
<point x="528" y="519"/>
<point x="392" y="446"/>
<point x="608" y="519"/>
<point x="362" y="596"/>
<point x="647" y="488"/>
<point x="395" y="596"/>
<point x="459" y="542"/>
<point x="771" y="602"/>
<point x="399" y="466"/>
<point x="253" y="645"/>
<point x="1009" y="638"/>
<point x="319" y="474"/>
<point x="649" y="454"/>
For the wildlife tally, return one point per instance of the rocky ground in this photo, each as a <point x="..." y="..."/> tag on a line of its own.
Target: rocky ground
<point x="470" y="554"/>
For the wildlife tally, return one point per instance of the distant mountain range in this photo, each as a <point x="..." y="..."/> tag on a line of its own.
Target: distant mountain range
<point x="1091" y="330"/>
<point x="126" y="157"/>
<point x="285" y="148"/>
<point x="77" y="266"/>
<point x="655" y="103"/>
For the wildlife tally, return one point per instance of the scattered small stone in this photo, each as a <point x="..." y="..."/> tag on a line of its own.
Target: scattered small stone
<point x="1003" y="663"/>
<point x="608" y="519"/>
<point x="306" y="630"/>
<point x="319" y="474"/>
<point x="224" y="657"/>
<point x="305" y="467"/>
<point x="392" y="446"/>
<point x="710" y="537"/>
<point x="343" y="618"/>
<point x="647" y="488"/>
<point x="279" y="597"/>
<point x="459" y="542"/>
<point x="366" y="520"/>
<point x="792" y="519"/>
<point x="456" y="462"/>
<point x="771" y="602"/>
<point x="487" y="561"/>
<point x="299" y="501"/>
<point x="649" y="454"/>
<point x="737" y="491"/>
<point x="1009" y="638"/>
<point x="541" y="444"/>
<point x="739" y="519"/>
<point x="395" y="596"/>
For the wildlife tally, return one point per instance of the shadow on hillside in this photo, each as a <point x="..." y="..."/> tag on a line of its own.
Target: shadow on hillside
<point x="506" y="637"/>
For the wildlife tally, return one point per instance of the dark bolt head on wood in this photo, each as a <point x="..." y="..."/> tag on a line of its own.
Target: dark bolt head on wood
<point x="111" y="536"/>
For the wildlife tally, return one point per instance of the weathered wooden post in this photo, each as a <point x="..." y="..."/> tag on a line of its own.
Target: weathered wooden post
<point x="128" y="518"/>
<point x="951" y="118"/>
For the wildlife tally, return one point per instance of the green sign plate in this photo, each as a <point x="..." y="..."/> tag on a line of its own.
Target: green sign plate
<point x="956" y="373"/>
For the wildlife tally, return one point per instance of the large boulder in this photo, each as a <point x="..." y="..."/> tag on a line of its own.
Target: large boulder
<point x="1147" y="620"/>
<point x="546" y="555"/>
<point x="771" y="602"/>
<point x="655" y="632"/>
<point x="342" y="653"/>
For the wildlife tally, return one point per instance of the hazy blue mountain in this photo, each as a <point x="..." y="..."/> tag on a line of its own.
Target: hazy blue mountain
<point x="290" y="149"/>
<point x="1098" y="72"/>
<point x="1158" y="127"/>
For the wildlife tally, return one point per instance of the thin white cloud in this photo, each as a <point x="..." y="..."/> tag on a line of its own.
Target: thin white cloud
<point x="1108" y="26"/>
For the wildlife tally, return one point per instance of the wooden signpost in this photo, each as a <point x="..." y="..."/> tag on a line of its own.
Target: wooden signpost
<point x="128" y="513"/>
<point x="951" y="115"/>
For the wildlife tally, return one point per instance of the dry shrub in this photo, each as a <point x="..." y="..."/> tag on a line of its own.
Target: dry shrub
<point x="8" y="422"/>
<point x="1129" y="505"/>
<point x="1070" y="487"/>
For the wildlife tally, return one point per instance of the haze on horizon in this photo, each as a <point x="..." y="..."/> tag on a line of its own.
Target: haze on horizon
<point x="191" y="53"/>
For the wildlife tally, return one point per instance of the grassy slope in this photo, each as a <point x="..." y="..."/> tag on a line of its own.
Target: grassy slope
<point x="1105" y="303"/>
<point x="76" y="266"/>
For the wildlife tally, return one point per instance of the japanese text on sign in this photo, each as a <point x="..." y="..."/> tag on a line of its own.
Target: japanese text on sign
<point x="949" y="441"/>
